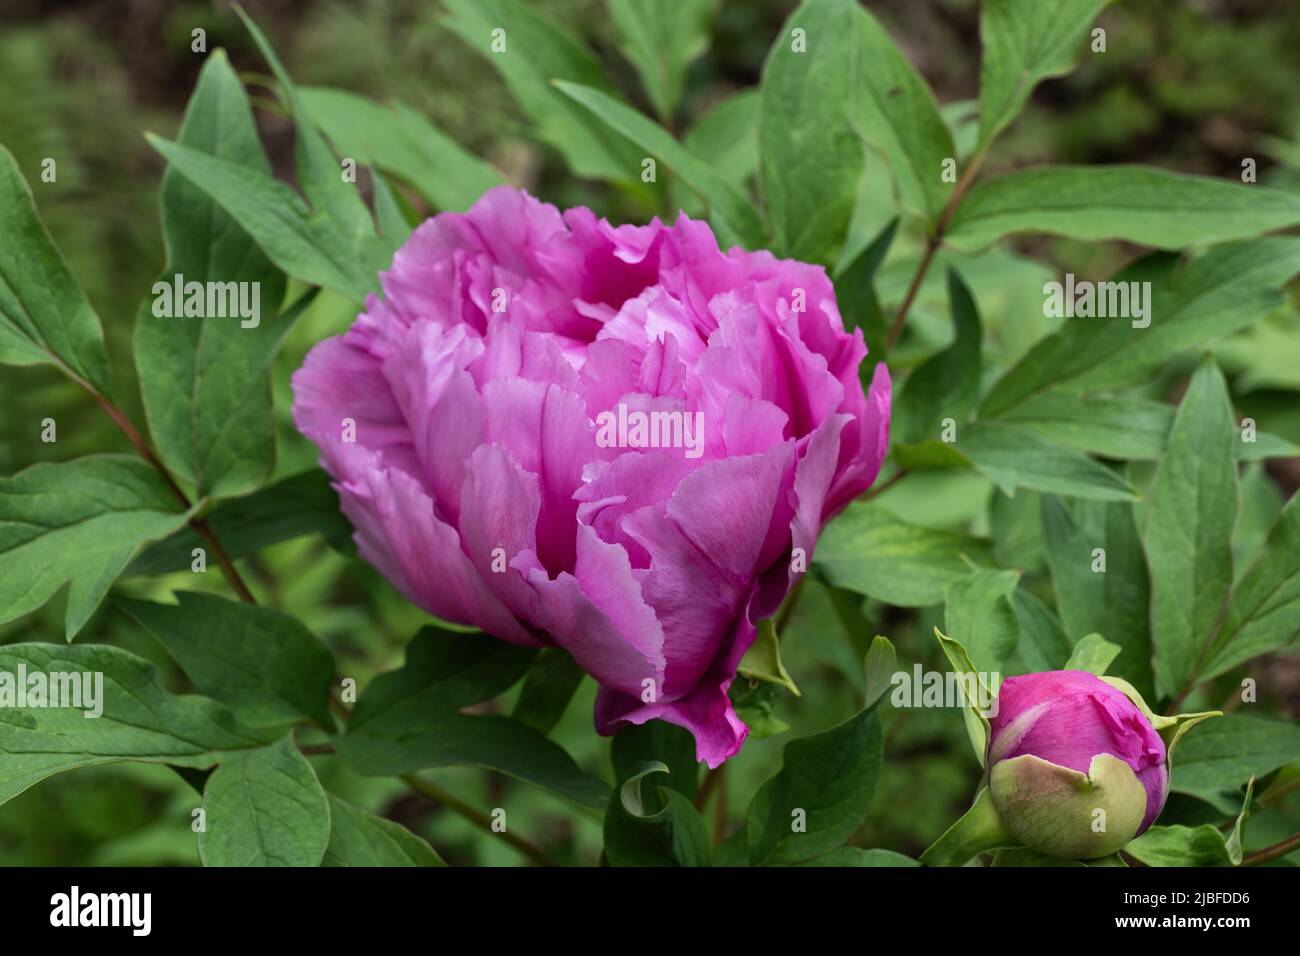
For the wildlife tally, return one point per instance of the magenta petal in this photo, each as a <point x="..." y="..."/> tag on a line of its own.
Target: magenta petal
<point x="598" y="615"/>
<point x="398" y="532"/>
<point x="706" y="711"/>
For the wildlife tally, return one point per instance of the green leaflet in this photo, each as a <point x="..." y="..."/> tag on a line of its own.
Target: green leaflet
<point x="530" y="51"/>
<point x="1213" y="295"/>
<point x="661" y="39"/>
<point x="1264" y="613"/>
<point x="78" y="523"/>
<point x="44" y="314"/>
<point x="898" y="116"/>
<point x="359" y="838"/>
<point x="869" y="550"/>
<point x="140" y="719"/>
<point x="1025" y="42"/>
<point x="1189" y="529"/>
<point x="730" y="210"/>
<point x="205" y="379"/>
<point x="329" y="239"/>
<point x="1150" y="207"/>
<point x="408" y="719"/>
<point x="400" y="141"/>
<point x="261" y="663"/>
<point x="1107" y="593"/>
<point x="265" y="807"/>
<point x="820" y="796"/>
<point x="811" y="156"/>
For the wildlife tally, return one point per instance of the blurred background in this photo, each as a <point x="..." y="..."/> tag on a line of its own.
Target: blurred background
<point x="1193" y="86"/>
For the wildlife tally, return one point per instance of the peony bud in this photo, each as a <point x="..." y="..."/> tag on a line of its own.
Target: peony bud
<point x="1078" y="766"/>
<point x="1076" y="769"/>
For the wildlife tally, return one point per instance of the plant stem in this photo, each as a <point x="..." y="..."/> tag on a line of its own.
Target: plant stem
<point x="896" y="330"/>
<point x="435" y="793"/>
<point x="884" y="486"/>
<point x="1273" y="852"/>
<point x="200" y="525"/>
<point x="720" y="806"/>
<point x="932" y="244"/>
<point x="706" y="788"/>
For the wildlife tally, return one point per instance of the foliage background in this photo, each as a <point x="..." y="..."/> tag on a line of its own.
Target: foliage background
<point x="1185" y="86"/>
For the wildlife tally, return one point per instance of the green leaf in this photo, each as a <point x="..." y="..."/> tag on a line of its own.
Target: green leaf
<point x="444" y="671"/>
<point x="899" y="117"/>
<point x="661" y="39"/>
<point x="657" y="741"/>
<point x="328" y="240"/>
<point x="402" y="142"/>
<point x="1189" y="529"/>
<point x="549" y="685"/>
<point x="77" y="522"/>
<point x="408" y="719"/>
<point x="870" y="551"/>
<point x="403" y="742"/>
<point x="1264" y="614"/>
<point x="1113" y="602"/>
<point x="301" y="504"/>
<point x="265" y="807"/>
<point x="763" y="659"/>
<point x="1216" y="294"/>
<point x="855" y="290"/>
<point x="1226" y="752"/>
<point x="45" y="316"/>
<point x="947" y="384"/>
<point x="1013" y="457"/>
<point x="1150" y="207"/>
<point x="1205" y="845"/>
<point x="726" y="137"/>
<point x="140" y="720"/>
<point x="1025" y="42"/>
<point x="359" y="838"/>
<point x="261" y="663"/>
<point x="335" y="201"/>
<point x="1129" y="428"/>
<point x="856" y="856"/>
<point x="731" y="211"/>
<point x="811" y="156"/>
<point x="674" y="834"/>
<point x="537" y="51"/>
<point x="820" y="795"/>
<point x="1043" y="645"/>
<point x="394" y="228"/>
<point x="1093" y="654"/>
<point x="205" y="379"/>
<point x="978" y="612"/>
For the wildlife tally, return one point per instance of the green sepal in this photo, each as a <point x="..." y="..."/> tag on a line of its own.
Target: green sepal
<point x="763" y="659"/>
<point x="979" y="830"/>
<point x="977" y="724"/>
<point x="1053" y="809"/>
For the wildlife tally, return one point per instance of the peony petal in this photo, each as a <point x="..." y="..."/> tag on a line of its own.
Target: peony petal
<point x="398" y="532"/>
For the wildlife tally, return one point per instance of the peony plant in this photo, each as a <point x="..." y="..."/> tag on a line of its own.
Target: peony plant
<point x="810" y="364"/>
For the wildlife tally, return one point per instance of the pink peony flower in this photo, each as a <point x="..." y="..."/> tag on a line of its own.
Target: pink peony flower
<point x="607" y="438"/>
